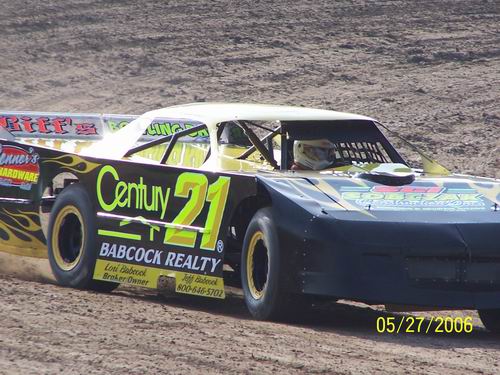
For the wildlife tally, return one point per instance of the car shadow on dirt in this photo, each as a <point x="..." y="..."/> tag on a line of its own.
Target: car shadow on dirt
<point x="361" y="321"/>
<point x="339" y="318"/>
<point x="232" y="306"/>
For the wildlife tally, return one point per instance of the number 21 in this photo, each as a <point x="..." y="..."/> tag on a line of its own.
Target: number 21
<point x="195" y="187"/>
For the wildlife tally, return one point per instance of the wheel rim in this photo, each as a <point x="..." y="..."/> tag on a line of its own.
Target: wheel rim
<point x="68" y="238"/>
<point x="257" y="265"/>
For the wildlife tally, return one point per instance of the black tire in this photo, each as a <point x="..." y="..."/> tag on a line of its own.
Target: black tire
<point x="71" y="241"/>
<point x="490" y="319"/>
<point x="264" y="272"/>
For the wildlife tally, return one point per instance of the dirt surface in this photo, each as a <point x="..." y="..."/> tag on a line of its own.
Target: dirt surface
<point x="428" y="69"/>
<point x="49" y="329"/>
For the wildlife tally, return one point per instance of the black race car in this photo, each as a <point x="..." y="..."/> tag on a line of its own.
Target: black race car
<point x="302" y="203"/>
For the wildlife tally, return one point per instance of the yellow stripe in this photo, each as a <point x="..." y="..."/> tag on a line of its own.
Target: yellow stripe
<point x="112" y="233"/>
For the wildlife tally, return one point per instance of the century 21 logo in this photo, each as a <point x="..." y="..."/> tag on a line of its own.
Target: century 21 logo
<point x="192" y="186"/>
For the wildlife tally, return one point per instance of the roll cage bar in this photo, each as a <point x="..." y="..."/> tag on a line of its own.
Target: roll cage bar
<point x="257" y="144"/>
<point x="172" y="138"/>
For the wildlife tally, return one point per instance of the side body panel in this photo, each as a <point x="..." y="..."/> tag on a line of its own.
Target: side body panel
<point x="160" y="221"/>
<point x="25" y="172"/>
<point x="153" y="220"/>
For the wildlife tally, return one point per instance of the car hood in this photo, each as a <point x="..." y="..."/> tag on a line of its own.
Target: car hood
<point x="454" y="198"/>
<point x="423" y="194"/>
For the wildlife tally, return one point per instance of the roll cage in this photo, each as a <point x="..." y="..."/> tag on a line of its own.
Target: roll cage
<point x="354" y="141"/>
<point x="172" y="139"/>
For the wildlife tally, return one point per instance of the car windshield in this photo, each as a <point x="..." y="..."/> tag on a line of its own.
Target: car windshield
<point x="307" y="145"/>
<point x="323" y="145"/>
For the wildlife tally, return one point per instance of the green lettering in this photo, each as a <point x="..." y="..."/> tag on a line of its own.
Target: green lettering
<point x="164" y="201"/>
<point x="165" y="128"/>
<point x="351" y="195"/>
<point x="132" y="186"/>
<point x="150" y="130"/>
<point x="394" y="196"/>
<point x="447" y="197"/>
<point x="120" y="190"/>
<point x="175" y="128"/>
<point x="106" y="169"/>
<point x="142" y="190"/>
<point x="112" y="125"/>
<point x="468" y="197"/>
<point x="203" y="133"/>
<point x="414" y="196"/>
<point x="430" y="197"/>
<point x="149" y="206"/>
<point x="372" y="195"/>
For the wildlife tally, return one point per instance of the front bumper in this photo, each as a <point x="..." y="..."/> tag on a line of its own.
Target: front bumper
<point x="390" y="260"/>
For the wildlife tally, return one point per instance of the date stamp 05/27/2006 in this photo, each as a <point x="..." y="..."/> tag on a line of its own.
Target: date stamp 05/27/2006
<point x="420" y="324"/>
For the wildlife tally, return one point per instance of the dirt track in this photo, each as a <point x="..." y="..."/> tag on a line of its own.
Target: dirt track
<point x="430" y="70"/>
<point x="135" y="331"/>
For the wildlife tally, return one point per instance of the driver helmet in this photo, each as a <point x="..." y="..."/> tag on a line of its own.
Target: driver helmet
<point x="314" y="154"/>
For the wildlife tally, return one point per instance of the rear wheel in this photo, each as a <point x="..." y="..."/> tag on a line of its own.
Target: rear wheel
<point x="71" y="240"/>
<point x="264" y="272"/>
<point x="490" y="319"/>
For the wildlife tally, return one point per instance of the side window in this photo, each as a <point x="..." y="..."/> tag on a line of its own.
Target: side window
<point x="232" y="139"/>
<point x="232" y="134"/>
<point x="189" y="154"/>
<point x="189" y="150"/>
<point x="235" y="143"/>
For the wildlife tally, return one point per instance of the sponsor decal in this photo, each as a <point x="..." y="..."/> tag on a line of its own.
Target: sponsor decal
<point x="134" y="194"/>
<point x="166" y="243"/>
<point x="414" y="197"/>
<point x="72" y="163"/>
<point x="49" y="125"/>
<point x="19" y="167"/>
<point x="189" y="186"/>
<point x="199" y="285"/>
<point x="90" y="126"/>
<point x="158" y="128"/>
<point x="160" y="258"/>
<point x="126" y="273"/>
<point x="138" y="275"/>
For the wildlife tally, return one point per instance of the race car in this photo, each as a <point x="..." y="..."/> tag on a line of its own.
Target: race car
<point x="299" y="203"/>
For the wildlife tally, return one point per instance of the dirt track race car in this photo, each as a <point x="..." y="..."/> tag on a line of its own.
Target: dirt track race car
<point x="297" y="202"/>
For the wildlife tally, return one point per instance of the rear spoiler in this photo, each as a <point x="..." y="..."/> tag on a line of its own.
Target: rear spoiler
<point x="81" y="126"/>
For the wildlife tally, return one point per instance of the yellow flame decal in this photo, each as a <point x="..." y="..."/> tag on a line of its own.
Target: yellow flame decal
<point x="492" y="193"/>
<point x="22" y="242"/>
<point x="337" y="196"/>
<point x="74" y="163"/>
<point x="32" y="226"/>
<point x="305" y="188"/>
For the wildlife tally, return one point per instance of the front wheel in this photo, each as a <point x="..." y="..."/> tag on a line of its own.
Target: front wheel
<point x="71" y="241"/>
<point x="490" y="319"/>
<point x="264" y="275"/>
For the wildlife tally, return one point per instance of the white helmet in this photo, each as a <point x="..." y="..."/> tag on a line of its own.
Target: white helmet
<point x="314" y="154"/>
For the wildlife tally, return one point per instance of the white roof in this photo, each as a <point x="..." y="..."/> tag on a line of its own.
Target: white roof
<point x="210" y="114"/>
<point x="213" y="113"/>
